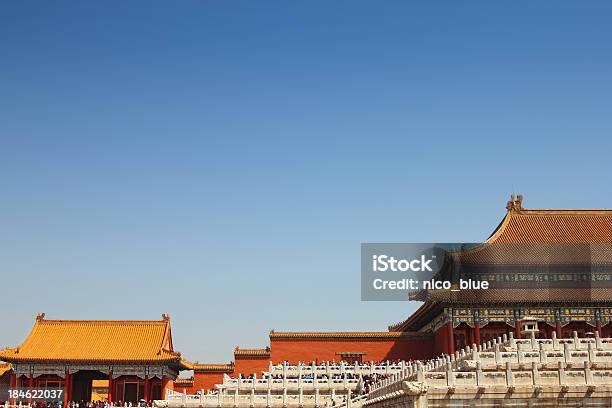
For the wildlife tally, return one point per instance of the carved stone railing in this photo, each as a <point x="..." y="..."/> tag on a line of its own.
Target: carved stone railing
<point x="329" y="370"/>
<point x="291" y="384"/>
<point x="252" y="399"/>
<point x="525" y="370"/>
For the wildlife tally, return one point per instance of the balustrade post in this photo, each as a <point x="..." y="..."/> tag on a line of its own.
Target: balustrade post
<point x="450" y="377"/>
<point x="543" y="356"/>
<point x="576" y="340"/>
<point x="591" y="352"/>
<point x="509" y="375"/>
<point x="598" y="340"/>
<point x="498" y="358"/>
<point x="535" y="374"/>
<point x="562" y="379"/>
<point x="555" y="341"/>
<point x="420" y="374"/>
<point x="479" y="374"/>
<point x="566" y="353"/>
<point x="588" y="375"/>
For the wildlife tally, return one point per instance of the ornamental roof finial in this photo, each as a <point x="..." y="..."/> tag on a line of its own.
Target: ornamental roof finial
<point x="515" y="203"/>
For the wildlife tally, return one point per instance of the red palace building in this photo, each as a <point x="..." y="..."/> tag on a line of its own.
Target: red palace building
<point x="528" y="279"/>
<point x="135" y="357"/>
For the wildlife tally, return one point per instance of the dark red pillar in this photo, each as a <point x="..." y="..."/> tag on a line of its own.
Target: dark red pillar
<point x="110" y="386"/>
<point x="598" y="327"/>
<point x="13" y="384"/>
<point x="470" y="336"/>
<point x="558" y="329"/>
<point x="70" y="384"/>
<point x="30" y="386"/>
<point x="517" y="329"/>
<point x="165" y="381"/>
<point x="451" y="338"/>
<point x="66" y="388"/>
<point x="146" y="388"/>
<point x="477" y="333"/>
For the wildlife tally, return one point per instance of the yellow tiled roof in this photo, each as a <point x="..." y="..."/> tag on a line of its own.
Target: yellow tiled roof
<point x="339" y="335"/>
<point x="251" y="352"/>
<point x="536" y="236"/>
<point x="553" y="226"/>
<point x="204" y="367"/>
<point x="96" y="340"/>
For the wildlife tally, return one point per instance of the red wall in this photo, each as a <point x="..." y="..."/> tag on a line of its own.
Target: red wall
<point x="307" y="350"/>
<point x="250" y="365"/>
<point x="440" y="342"/>
<point x="202" y="381"/>
<point x="206" y="381"/>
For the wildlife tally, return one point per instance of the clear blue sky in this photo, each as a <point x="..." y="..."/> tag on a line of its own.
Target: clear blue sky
<point x="222" y="161"/>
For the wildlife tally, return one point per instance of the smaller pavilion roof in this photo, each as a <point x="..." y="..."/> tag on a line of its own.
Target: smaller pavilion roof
<point x="118" y="341"/>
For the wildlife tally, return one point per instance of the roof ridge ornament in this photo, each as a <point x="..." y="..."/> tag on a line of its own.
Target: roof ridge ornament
<point x="40" y="317"/>
<point x="515" y="203"/>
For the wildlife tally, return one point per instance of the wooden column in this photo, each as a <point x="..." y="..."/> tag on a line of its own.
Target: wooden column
<point x="67" y="388"/>
<point x="146" y="388"/>
<point x="517" y="329"/>
<point x="13" y="384"/>
<point x="164" y="384"/>
<point x="30" y="386"/>
<point x="111" y="385"/>
<point x="558" y="329"/>
<point x="451" y="338"/>
<point x="477" y="332"/>
<point x="70" y="386"/>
